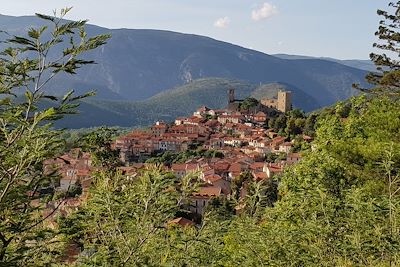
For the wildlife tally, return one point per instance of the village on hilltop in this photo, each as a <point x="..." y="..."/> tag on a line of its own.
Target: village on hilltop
<point x="235" y="133"/>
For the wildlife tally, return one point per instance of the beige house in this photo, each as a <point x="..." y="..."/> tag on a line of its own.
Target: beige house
<point x="200" y="199"/>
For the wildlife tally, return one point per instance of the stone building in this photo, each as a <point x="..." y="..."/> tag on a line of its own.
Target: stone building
<point x="283" y="103"/>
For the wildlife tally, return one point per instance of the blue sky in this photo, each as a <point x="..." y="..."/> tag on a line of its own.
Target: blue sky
<point x="342" y="29"/>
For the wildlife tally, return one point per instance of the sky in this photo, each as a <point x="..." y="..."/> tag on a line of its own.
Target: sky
<point x="342" y="29"/>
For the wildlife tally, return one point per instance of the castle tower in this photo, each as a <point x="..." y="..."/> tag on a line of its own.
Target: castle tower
<point x="231" y="96"/>
<point x="284" y="101"/>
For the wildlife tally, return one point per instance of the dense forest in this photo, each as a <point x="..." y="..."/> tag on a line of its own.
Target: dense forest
<point x="339" y="206"/>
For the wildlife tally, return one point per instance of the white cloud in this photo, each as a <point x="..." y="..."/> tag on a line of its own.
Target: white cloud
<point x="222" y="22"/>
<point x="264" y="12"/>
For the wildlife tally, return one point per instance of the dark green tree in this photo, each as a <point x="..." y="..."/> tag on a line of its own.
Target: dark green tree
<point x="387" y="77"/>
<point x="249" y="103"/>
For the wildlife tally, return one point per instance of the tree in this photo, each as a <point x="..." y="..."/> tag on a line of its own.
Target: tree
<point x="238" y="182"/>
<point x="249" y="103"/>
<point x="98" y="143"/>
<point x="387" y="78"/>
<point x="27" y="139"/>
<point x="125" y="219"/>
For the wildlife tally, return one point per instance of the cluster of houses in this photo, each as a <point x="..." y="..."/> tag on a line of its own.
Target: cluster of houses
<point x="223" y="130"/>
<point x="240" y="136"/>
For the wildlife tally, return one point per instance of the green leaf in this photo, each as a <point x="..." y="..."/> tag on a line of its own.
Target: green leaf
<point x="29" y="95"/>
<point x="88" y="94"/>
<point x="67" y="96"/>
<point x="51" y="97"/>
<point x="22" y="41"/>
<point x="45" y="17"/>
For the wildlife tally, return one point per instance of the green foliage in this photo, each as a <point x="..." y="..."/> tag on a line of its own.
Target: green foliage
<point x="238" y="183"/>
<point x="124" y="219"/>
<point x="386" y="79"/>
<point x="98" y="143"/>
<point x="73" y="137"/>
<point x="249" y="103"/>
<point x="293" y="123"/>
<point x="26" y="135"/>
<point x="338" y="207"/>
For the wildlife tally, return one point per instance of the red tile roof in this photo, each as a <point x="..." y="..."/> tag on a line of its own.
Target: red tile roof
<point x="209" y="191"/>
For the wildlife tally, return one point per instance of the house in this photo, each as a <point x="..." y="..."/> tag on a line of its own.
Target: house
<point x="215" y="143"/>
<point x="243" y="130"/>
<point x="234" y="118"/>
<point x="293" y="158"/>
<point x="285" y="147"/>
<point x="221" y="168"/>
<point x="182" y="169"/>
<point x="74" y="167"/>
<point x="276" y="142"/>
<point x="272" y="169"/>
<point x="218" y="181"/>
<point x="203" y="111"/>
<point x="232" y="141"/>
<point x="257" y="166"/>
<point x="159" y="128"/>
<point x="180" y="120"/>
<point x="171" y="144"/>
<point x="213" y="125"/>
<point x="194" y="121"/>
<point x="200" y="199"/>
<point x="260" y="117"/>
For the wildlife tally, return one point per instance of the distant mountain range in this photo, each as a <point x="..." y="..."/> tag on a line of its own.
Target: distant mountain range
<point x="143" y="65"/>
<point x="365" y="64"/>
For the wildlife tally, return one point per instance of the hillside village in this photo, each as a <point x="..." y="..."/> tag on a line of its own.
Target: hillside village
<point x="228" y="169"/>
<point x="239" y="136"/>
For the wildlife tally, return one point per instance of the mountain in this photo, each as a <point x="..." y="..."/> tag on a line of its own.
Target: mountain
<point x="362" y="64"/>
<point x="138" y="64"/>
<point x="180" y="101"/>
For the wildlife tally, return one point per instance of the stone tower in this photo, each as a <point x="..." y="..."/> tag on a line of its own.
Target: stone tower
<point x="231" y="96"/>
<point x="284" y="101"/>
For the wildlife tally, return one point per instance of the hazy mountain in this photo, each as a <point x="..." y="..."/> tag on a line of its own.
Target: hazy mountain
<point x="138" y="64"/>
<point x="362" y="64"/>
<point x="181" y="101"/>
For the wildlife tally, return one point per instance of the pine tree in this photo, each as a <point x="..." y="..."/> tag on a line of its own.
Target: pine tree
<point x="387" y="77"/>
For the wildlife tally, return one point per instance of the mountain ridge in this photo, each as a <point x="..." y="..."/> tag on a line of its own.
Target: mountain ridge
<point x="362" y="64"/>
<point x="137" y="64"/>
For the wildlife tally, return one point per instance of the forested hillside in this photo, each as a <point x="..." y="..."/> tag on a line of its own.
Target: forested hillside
<point x="181" y="101"/>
